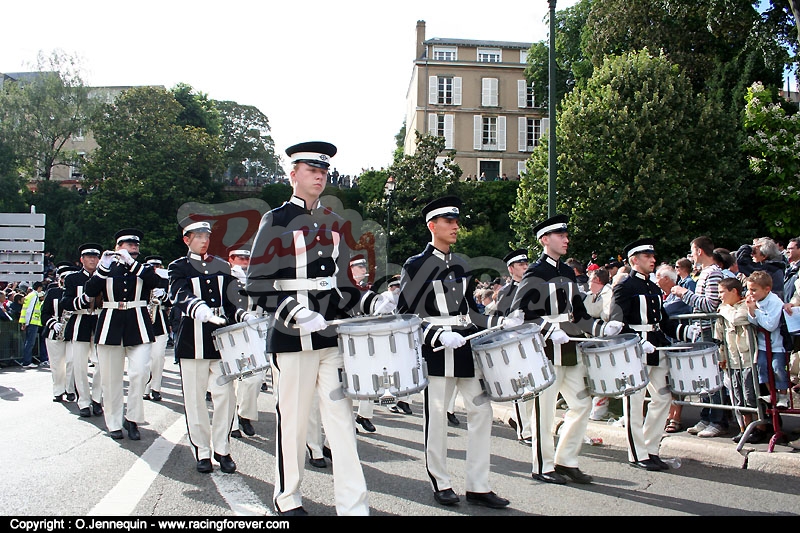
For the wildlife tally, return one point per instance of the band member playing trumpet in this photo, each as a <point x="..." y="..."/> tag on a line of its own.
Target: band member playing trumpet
<point x="158" y="314"/>
<point x="434" y="285"/>
<point x="638" y="303"/>
<point x="124" y="329"/>
<point x="53" y="319"/>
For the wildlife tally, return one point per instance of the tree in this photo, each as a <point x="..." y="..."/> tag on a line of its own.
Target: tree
<point x="198" y="111"/>
<point x="772" y="147"/>
<point x="148" y="164"/>
<point x="64" y="228"/>
<point x="639" y="155"/>
<point x="249" y="148"/>
<point x="40" y="113"/>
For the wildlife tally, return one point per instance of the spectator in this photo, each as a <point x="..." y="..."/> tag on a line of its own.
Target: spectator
<point x="30" y="320"/>
<point x="580" y="274"/>
<point x="790" y="276"/>
<point x="684" y="269"/>
<point x="768" y="258"/>
<point x="666" y="278"/>
<point x="4" y="314"/>
<point x="15" y="307"/>
<point x="725" y="261"/>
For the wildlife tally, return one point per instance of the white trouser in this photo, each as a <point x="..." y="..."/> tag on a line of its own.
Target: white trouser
<point x="315" y="438"/>
<point x="60" y="367"/>
<point x="158" y="351"/>
<point x="522" y="412"/>
<point x="80" y="353"/>
<point x="570" y="383"/>
<point x="298" y="376"/>
<point x="438" y="394"/>
<point x="197" y="377"/>
<point x="645" y="432"/>
<point x="112" y="363"/>
<point x="247" y="391"/>
<point x="366" y="408"/>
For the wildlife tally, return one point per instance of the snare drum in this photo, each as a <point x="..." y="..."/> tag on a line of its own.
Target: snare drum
<point x="694" y="370"/>
<point x="513" y="363"/>
<point x="382" y="358"/>
<point x="614" y="365"/>
<point x="243" y="348"/>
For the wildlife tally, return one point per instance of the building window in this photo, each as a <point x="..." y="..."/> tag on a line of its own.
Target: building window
<point x="523" y="56"/>
<point x="441" y="53"/>
<point x="525" y="95"/>
<point x="444" y="90"/>
<point x="489" y="91"/>
<point x="78" y="136"/>
<point x="441" y="125"/>
<point x="530" y="133"/>
<point x="489" y="133"/>
<point x="490" y="55"/>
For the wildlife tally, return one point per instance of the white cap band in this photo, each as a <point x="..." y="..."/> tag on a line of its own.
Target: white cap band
<point x="243" y="253"/>
<point x="549" y="229"/>
<point x="91" y="251"/>
<point x="521" y="257"/>
<point x="124" y="238"/>
<point x="311" y="156"/>
<point x="643" y="248"/>
<point x="452" y="210"/>
<point x="197" y="226"/>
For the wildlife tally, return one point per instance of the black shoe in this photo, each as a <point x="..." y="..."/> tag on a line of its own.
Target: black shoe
<point x="452" y="419"/>
<point x="59" y="398"/>
<point x="757" y="436"/>
<point x="246" y="427"/>
<point x="647" y="464"/>
<point x="738" y="437"/>
<point x="84" y="412"/>
<point x="317" y="463"/>
<point x="208" y="396"/>
<point x="527" y="441"/>
<point x="394" y="409"/>
<point x="70" y="396"/>
<point x="487" y="499"/>
<point x="658" y="462"/>
<point x="326" y="452"/>
<point x="512" y="423"/>
<point x="226" y="464"/>
<point x="264" y="387"/>
<point x="155" y="396"/>
<point x="132" y="429"/>
<point x="365" y="423"/>
<point x="551" y="477"/>
<point x="574" y="473"/>
<point x="97" y="409"/>
<point x="236" y="434"/>
<point x="403" y="406"/>
<point x="297" y="511"/>
<point x="446" y="497"/>
<point x="204" y="466"/>
<point x="116" y="434"/>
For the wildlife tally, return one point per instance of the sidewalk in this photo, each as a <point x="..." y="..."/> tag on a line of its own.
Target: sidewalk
<point x="716" y="450"/>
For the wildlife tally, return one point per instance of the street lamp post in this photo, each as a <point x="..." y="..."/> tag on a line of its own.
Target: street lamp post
<point x="551" y="111"/>
<point x="388" y="192"/>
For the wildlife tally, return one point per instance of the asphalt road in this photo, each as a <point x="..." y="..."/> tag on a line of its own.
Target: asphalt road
<point x="57" y="464"/>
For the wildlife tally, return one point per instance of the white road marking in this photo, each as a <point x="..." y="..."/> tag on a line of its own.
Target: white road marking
<point x="238" y="496"/>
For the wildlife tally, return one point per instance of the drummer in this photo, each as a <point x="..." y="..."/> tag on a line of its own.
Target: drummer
<point x="198" y="286"/>
<point x="637" y="302"/>
<point x="433" y="286"/>
<point x="549" y="296"/>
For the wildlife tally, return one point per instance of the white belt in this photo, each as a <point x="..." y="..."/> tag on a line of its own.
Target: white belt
<point x="121" y="306"/>
<point x="643" y="327"/>
<point x="312" y="284"/>
<point x="84" y="312"/>
<point x="458" y="320"/>
<point x="553" y="319"/>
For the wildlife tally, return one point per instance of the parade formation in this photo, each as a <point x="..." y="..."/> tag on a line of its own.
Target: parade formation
<point x="294" y="303"/>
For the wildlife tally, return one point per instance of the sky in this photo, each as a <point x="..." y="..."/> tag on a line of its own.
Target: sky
<point x="304" y="64"/>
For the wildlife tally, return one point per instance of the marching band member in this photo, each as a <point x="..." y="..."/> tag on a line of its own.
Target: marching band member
<point x="202" y="287"/>
<point x="124" y="329"/>
<point x="548" y="295"/>
<point x="52" y="319"/>
<point x="79" y="332"/>
<point x="299" y="273"/>
<point x="434" y="285"/>
<point x="158" y="314"/>
<point x="638" y="303"/>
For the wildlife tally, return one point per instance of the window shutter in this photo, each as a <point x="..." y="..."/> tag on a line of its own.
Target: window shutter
<point x="522" y="140"/>
<point x="520" y="168"/>
<point x="501" y="133"/>
<point x="489" y="92"/>
<point x="448" y="131"/>
<point x="477" y="122"/>
<point x="432" y="123"/>
<point x="522" y="93"/>
<point x="433" y="90"/>
<point x="456" y="91"/>
<point x="545" y="126"/>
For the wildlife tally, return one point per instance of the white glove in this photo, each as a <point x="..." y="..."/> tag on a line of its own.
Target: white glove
<point x="204" y="314"/>
<point x="513" y="321"/>
<point x="451" y="339"/>
<point x="612" y="328"/>
<point x="384" y="306"/>
<point x="159" y="293"/>
<point x="310" y="321"/>
<point x="647" y="347"/>
<point x="559" y="337"/>
<point x="218" y="320"/>
<point x="249" y="316"/>
<point x="693" y="332"/>
<point x="57" y="327"/>
<point x="107" y="258"/>
<point x="125" y="257"/>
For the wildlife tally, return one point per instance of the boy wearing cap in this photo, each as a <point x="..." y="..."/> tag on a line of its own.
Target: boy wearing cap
<point x="122" y="286"/>
<point x="549" y="296"/>
<point x="433" y="286"/>
<point x="158" y="314"/>
<point x="299" y="273"/>
<point x="202" y="287"/>
<point x="638" y="303"/>
<point x="60" y="366"/>
<point x="79" y="332"/>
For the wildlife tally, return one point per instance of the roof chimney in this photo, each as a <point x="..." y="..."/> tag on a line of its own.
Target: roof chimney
<point x="420" y="39"/>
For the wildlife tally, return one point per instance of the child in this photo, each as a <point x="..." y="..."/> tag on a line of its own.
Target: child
<point x="736" y="352"/>
<point x="765" y="310"/>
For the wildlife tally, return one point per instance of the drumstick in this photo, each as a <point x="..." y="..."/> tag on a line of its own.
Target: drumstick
<point x="470" y="337"/>
<point x="584" y="339"/>
<point x="672" y="348"/>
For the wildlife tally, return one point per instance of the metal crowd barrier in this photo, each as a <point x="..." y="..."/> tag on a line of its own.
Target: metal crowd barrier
<point x="11" y="342"/>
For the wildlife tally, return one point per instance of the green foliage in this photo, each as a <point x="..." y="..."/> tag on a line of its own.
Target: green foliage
<point x="249" y="148"/>
<point x="772" y="146"/>
<point x="486" y="222"/>
<point x="197" y="110"/>
<point x="274" y="194"/>
<point x="63" y="228"/>
<point x="12" y="199"/>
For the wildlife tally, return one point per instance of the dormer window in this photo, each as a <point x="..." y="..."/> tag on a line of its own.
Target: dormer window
<point x="490" y="55"/>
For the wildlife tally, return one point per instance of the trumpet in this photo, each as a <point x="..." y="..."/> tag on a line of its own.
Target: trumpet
<point x="65" y="316"/>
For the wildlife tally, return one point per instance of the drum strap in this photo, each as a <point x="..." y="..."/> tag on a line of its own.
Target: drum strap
<point x="311" y="284"/>
<point x="124" y="305"/>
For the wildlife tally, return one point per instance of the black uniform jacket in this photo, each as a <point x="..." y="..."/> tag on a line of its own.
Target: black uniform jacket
<point x="51" y="310"/>
<point x="82" y="323"/>
<point x="437" y="287"/>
